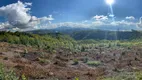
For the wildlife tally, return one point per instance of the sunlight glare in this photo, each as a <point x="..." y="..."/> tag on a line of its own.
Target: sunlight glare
<point x="110" y="2"/>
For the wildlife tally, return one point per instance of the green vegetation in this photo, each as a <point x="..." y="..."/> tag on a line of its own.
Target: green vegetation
<point x="93" y="63"/>
<point x="75" y="62"/>
<point x="47" y="41"/>
<point x="76" y="78"/>
<point x="54" y="41"/>
<point x="102" y="34"/>
<point x="7" y="75"/>
<point x="43" y="61"/>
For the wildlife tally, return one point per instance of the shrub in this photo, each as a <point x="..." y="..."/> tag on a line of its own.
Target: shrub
<point x="24" y="77"/>
<point x="138" y="75"/>
<point x="93" y="63"/>
<point x="25" y="51"/>
<point x="76" y="78"/>
<point x="44" y="61"/>
<point x="7" y="75"/>
<point x="75" y="62"/>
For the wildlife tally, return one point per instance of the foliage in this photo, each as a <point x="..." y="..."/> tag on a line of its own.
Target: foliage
<point x="7" y="75"/>
<point x="93" y="63"/>
<point x="54" y="41"/>
<point x="47" y="41"/>
<point x="24" y="77"/>
<point x="138" y="75"/>
<point x="43" y="61"/>
<point x="75" y="62"/>
<point x="76" y="78"/>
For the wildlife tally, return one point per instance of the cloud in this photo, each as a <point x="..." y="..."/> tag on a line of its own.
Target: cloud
<point x="140" y="23"/>
<point x="98" y="23"/>
<point x="50" y="18"/>
<point x="100" y="17"/>
<point x="130" y="18"/>
<point x="123" y="23"/>
<point x="5" y="25"/>
<point x="18" y="16"/>
<point x="111" y="15"/>
<point x="106" y="25"/>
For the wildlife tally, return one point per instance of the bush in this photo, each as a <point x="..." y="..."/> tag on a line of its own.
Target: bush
<point x="44" y="61"/>
<point x="76" y="78"/>
<point x="138" y="75"/>
<point x="75" y="62"/>
<point x="93" y="63"/>
<point x="7" y="75"/>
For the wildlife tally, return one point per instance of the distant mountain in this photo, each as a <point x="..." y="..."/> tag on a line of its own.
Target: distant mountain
<point x="86" y="33"/>
<point x="109" y="35"/>
<point x="63" y="29"/>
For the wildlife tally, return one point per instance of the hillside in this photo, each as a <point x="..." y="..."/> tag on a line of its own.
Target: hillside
<point x="83" y="60"/>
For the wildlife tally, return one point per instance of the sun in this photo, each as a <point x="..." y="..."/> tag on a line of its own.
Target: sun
<point x="110" y="2"/>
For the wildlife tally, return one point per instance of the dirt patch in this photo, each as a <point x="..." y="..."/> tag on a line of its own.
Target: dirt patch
<point x="40" y="64"/>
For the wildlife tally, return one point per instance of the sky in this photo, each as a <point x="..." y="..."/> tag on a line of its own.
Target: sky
<point x="48" y="14"/>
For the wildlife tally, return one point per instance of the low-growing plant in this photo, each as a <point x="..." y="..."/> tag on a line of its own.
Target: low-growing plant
<point x="76" y="78"/>
<point x="93" y="63"/>
<point x="24" y="77"/>
<point x="75" y="62"/>
<point x="7" y="75"/>
<point x="138" y="75"/>
<point x="25" y="51"/>
<point x="43" y="61"/>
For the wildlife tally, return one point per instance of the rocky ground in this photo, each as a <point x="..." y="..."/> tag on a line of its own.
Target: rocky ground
<point x="65" y="65"/>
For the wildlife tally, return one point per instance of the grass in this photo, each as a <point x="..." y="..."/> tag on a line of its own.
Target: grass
<point x="93" y="63"/>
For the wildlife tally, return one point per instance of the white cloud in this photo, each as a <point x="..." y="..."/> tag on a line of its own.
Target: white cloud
<point x="50" y="18"/>
<point x="130" y="18"/>
<point x="5" y="25"/>
<point x="140" y="23"/>
<point x="17" y="16"/>
<point x="122" y="25"/>
<point x="100" y="17"/>
<point x="98" y="23"/>
<point x="111" y="15"/>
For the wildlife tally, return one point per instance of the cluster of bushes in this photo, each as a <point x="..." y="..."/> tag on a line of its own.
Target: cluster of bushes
<point x="47" y="41"/>
<point x="9" y="74"/>
<point x="57" y="40"/>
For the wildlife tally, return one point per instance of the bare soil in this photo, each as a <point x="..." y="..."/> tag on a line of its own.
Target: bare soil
<point x="42" y="65"/>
